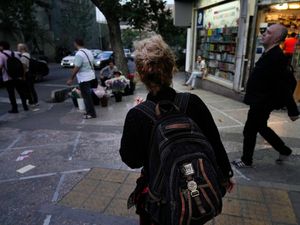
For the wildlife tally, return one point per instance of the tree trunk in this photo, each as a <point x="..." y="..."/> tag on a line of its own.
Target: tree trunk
<point x="117" y="45"/>
<point x="113" y="22"/>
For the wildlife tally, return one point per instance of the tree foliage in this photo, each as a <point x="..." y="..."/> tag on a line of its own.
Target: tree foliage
<point x="151" y="15"/>
<point x="17" y="18"/>
<point x="77" y="22"/>
<point x="129" y="35"/>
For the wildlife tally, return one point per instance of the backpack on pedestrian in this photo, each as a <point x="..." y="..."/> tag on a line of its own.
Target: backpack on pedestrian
<point x="14" y="66"/>
<point x="37" y="68"/>
<point x="185" y="183"/>
<point x="290" y="77"/>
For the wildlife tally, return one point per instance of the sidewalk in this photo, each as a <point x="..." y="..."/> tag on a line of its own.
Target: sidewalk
<point x="268" y="194"/>
<point x="106" y="191"/>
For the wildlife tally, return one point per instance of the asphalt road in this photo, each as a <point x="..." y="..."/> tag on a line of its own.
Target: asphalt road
<point x="60" y="147"/>
<point x="55" y="80"/>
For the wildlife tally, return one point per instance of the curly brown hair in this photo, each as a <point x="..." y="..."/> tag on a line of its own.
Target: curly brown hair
<point x="155" y="61"/>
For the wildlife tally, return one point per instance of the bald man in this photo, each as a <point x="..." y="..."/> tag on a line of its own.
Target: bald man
<point x="267" y="89"/>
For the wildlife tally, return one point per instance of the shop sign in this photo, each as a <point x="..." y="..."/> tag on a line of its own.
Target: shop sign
<point x="222" y="15"/>
<point x="205" y="3"/>
<point x="200" y="17"/>
<point x="269" y="2"/>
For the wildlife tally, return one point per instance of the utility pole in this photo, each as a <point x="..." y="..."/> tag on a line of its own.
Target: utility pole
<point x="242" y="39"/>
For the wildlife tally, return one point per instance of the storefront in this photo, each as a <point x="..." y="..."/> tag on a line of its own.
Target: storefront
<point x="288" y="14"/>
<point x="227" y="35"/>
<point x="219" y="33"/>
<point x="216" y="40"/>
<point x="277" y="11"/>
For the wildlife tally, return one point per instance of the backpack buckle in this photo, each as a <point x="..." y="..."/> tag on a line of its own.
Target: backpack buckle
<point x="194" y="193"/>
<point x="192" y="187"/>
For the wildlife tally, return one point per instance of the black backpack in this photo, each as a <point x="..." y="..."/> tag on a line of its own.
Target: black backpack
<point x="184" y="179"/>
<point x="14" y="66"/>
<point x="37" y="67"/>
<point x="290" y="77"/>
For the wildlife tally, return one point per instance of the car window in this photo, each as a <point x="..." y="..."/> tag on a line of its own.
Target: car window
<point x="106" y="54"/>
<point x="95" y="52"/>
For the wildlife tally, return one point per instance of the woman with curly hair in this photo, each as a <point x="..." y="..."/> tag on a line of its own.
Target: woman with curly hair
<point x="155" y="64"/>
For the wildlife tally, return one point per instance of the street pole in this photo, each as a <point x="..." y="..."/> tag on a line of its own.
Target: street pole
<point x="240" y="55"/>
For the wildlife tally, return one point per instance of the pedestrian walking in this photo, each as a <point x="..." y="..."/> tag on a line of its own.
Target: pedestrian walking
<point x="289" y="46"/>
<point x="198" y="72"/>
<point x="13" y="76"/>
<point x="29" y="76"/>
<point x="155" y="65"/>
<point x="85" y="74"/>
<point x="267" y="89"/>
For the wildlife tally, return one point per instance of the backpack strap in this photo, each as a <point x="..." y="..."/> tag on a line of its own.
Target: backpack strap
<point x="148" y="108"/>
<point x="182" y="100"/>
<point x="26" y="57"/>
<point x="7" y="55"/>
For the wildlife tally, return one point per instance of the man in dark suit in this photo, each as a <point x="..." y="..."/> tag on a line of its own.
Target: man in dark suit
<point x="267" y="89"/>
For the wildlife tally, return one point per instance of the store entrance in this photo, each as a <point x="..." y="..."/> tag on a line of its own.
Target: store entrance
<point x="287" y="14"/>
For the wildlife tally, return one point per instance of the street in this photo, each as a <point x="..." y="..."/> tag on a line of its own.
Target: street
<point x="74" y="175"/>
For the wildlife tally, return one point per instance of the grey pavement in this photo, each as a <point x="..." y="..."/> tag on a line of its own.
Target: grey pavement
<point x="74" y="159"/>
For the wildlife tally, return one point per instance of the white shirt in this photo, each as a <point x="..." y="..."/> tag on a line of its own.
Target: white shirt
<point x="200" y="67"/>
<point x="25" y="61"/>
<point x="83" y="61"/>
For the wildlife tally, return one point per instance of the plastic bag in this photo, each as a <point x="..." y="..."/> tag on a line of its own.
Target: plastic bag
<point x="99" y="91"/>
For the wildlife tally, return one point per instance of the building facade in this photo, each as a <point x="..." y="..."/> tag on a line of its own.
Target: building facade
<point x="59" y="23"/>
<point x="227" y="34"/>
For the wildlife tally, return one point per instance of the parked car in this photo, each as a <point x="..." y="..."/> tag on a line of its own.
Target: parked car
<point x="68" y="61"/>
<point x="95" y="52"/>
<point x="103" y="59"/>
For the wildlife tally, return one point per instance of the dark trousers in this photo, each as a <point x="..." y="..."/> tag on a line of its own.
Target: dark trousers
<point x="86" y="92"/>
<point x="32" y="95"/>
<point x="94" y="84"/>
<point x="258" y="116"/>
<point x="20" y="86"/>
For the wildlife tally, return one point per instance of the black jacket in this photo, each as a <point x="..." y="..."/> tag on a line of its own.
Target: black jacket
<point x="138" y="127"/>
<point x="268" y="82"/>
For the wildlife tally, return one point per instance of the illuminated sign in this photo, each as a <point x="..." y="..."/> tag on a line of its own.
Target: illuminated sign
<point x="222" y="15"/>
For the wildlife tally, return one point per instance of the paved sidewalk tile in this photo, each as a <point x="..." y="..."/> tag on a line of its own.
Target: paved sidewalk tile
<point x="106" y="191"/>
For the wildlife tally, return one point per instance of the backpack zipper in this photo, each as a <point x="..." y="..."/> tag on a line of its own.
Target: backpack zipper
<point x="171" y="179"/>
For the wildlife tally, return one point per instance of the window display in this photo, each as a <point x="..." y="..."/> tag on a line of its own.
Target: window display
<point x="217" y="47"/>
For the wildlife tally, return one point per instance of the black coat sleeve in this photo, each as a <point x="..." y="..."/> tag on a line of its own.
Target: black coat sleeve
<point x="203" y="118"/>
<point x="134" y="142"/>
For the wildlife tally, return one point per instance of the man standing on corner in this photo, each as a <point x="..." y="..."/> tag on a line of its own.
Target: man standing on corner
<point x="29" y="77"/>
<point x="267" y="89"/>
<point x="85" y="76"/>
<point x="12" y="83"/>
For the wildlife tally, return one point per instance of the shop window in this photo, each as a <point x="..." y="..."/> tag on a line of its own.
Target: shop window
<point x="217" y="46"/>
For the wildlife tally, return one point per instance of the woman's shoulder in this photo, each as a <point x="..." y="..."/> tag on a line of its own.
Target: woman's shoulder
<point x="195" y="98"/>
<point x="136" y="117"/>
<point x="196" y="103"/>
